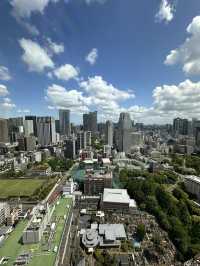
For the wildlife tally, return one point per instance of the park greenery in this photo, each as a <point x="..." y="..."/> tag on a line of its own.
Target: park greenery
<point x="190" y="161"/>
<point x="58" y="164"/>
<point x="104" y="258"/>
<point x="162" y="195"/>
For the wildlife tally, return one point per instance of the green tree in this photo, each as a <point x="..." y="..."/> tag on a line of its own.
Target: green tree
<point x="140" y="232"/>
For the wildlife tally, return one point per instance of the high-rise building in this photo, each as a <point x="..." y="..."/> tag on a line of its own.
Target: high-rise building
<point x="4" y="138"/>
<point x="84" y="139"/>
<point x="90" y="122"/>
<point x="34" y="119"/>
<point x="15" y="127"/>
<point x="124" y="131"/>
<point x="109" y="133"/>
<point x="28" y="127"/>
<point x="46" y="130"/>
<point x="57" y="124"/>
<point x="70" y="148"/>
<point x="65" y="126"/>
<point x="180" y="126"/>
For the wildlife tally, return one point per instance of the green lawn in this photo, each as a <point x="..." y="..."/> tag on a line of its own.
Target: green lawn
<point x="19" y="187"/>
<point x="11" y="247"/>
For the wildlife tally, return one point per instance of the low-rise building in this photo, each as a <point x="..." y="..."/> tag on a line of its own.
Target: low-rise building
<point x="192" y="184"/>
<point x="117" y="200"/>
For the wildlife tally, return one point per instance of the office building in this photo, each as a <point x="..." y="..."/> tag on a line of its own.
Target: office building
<point x="70" y="148"/>
<point x="65" y="126"/>
<point x="180" y="126"/>
<point x="4" y="211"/>
<point x="123" y="133"/>
<point x="84" y="139"/>
<point x="95" y="182"/>
<point x="28" y="128"/>
<point x="90" y="122"/>
<point x="109" y="133"/>
<point x="34" y="119"/>
<point x="4" y="138"/>
<point x="46" y="130"/>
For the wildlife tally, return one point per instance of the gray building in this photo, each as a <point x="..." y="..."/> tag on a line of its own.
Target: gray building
<point x="109" y="133"/>
<point x="90" y="122"/>
<point x="65" y="126"/>
<point x="123" y="133"/>
<point x="4" y="138"/>
<point x="46" y="130"/>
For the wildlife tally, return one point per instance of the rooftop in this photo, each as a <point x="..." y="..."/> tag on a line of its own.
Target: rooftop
<point x="193" y="178"/>
<point x="116" y="195"/>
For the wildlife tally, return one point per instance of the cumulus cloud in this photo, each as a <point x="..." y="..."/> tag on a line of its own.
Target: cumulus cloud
<point x="34" y="56"/>
<point x="92" y="56"/>
<point x="93" y="93"/>
<point x="188" y="54"/>
<point x="165" y="12"/>
<point x="170" y="101"/>
<point x="6" y="105"/>
<point x="55" y="48"/>
<point x="57" y="96"/>
<point x="3" y="90"/>
<point x="99" y="88"/>
<point x="23" y="9"/>
<point x="65" y="72"/>
<point x="4" y="73"/>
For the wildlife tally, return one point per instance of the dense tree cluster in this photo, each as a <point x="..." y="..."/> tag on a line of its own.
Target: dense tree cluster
<point x="60" y="164"/>
<point x="173" y="209"/>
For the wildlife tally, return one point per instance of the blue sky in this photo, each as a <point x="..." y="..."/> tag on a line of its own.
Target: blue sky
<point x="140" y="56"/>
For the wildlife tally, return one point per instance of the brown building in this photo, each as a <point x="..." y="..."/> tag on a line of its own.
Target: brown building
<point x="96" y="182"/>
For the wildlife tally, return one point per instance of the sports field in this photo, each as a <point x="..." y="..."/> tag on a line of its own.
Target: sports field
<point x="19" y="187"/>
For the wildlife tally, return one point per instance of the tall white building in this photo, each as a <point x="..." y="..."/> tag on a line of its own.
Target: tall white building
<point x="28" y="127"/>
<point x="109" y="133"/>
<point x="84" y="139"/>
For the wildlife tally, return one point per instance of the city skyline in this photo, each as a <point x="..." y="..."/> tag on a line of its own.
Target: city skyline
<point x="88" y="55"/>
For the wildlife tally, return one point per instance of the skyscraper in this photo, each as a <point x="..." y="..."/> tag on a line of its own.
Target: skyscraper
<point x="65" y="126"/>
<point x="4" y="130"/>
<point x="28" y="127"/>
<point x="123" y="136"/>
<point x="34" y="119"/>
<point x="46" y="130"/>
<point x="90" y="122"/>
<point x="109" y="133"/>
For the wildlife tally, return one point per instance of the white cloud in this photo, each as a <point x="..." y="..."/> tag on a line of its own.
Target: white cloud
<point x="166" y="12"/>
<point x="100" y="89"/>
<point x="36" y="58"/>
<point x="3" y="90"/>
<point x="24" y="8"/>
<point x="92" y="56"/>
<point x="6" y="105"/>
<point x="57" y="96"/>
<point x="66" y="72"/>
<point x="4" y="73"/>
<point x="55" y="48"/>
<point x="188" y="54"/>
